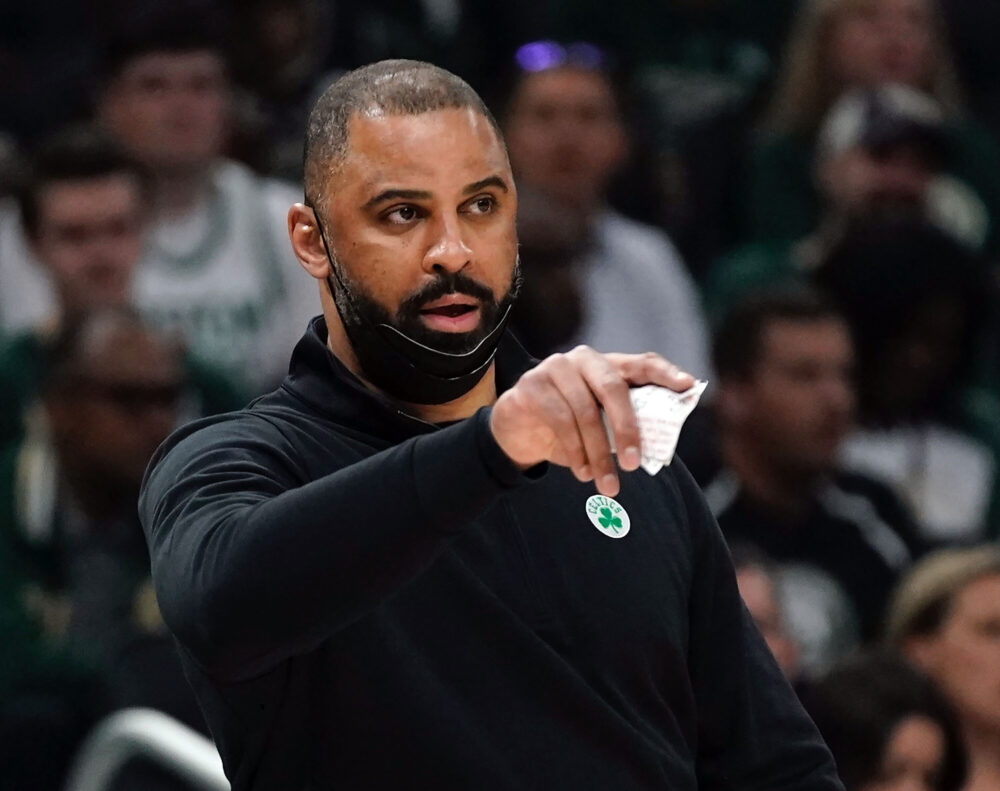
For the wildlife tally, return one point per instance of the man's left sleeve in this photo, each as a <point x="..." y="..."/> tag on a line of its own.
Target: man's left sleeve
<point x="752" y="731"/>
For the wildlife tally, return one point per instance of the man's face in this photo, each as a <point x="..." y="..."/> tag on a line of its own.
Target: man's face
<point x="89" y="236"/>
<point x="761" y="598"/>
<point x="860" y="181"/>
<point x="169" y="109"/>
<point x="797" y="405"/>
<point x="123" y="404"/>
<point x="878" y="41"/>
<point x="420" y="221"/>
<point x="565" y="135"/>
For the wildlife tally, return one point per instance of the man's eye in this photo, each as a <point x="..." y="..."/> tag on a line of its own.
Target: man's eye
<point x="483" y="205"/>
<point x="402" y="215"/>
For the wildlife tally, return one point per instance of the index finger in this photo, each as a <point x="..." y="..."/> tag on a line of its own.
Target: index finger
<point x="651" y="369"/>
<point x="612" y="392"/>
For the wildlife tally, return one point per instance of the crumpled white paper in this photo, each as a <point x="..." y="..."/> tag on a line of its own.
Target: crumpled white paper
<point x="660" y="413"/>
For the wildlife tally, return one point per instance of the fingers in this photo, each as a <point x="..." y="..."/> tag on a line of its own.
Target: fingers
<point x="611" y="391"/>
<point x="574" y="389"/>
<point x="557" y="414"/>
<point x="651" y="368"/>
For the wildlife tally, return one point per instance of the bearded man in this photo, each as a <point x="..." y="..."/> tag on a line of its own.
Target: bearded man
<point x="394" y="571"/>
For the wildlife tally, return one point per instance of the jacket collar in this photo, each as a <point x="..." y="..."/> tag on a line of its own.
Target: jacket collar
<point x="324" y="383"/>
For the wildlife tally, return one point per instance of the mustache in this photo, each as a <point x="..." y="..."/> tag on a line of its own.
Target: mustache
<point x="449" y="283"/>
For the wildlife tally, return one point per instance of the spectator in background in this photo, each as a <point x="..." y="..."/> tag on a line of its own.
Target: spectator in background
<point x="760" y="588"/>
<point x="888" y="726"/>
<point x="783" y="407"/>
<point x="917" y="304"/>
<point x="70" y="537"/>
<point x="836" y="46"/>
<point x="552" y="236"/>
<point x="84" y="211"/>
<point x="700" y="69"/>
<point x="945" y="617"/>
<point x="281" y="52"/>
<point x="880" y="153"/>
<point x="216" y="268"/>
<point x="566" y="139"/>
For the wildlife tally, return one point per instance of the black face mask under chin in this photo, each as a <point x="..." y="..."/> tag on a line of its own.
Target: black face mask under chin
<point x="404" y="368"/>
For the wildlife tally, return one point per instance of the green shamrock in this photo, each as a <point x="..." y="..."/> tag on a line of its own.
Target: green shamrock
<point x="607" y="520"/>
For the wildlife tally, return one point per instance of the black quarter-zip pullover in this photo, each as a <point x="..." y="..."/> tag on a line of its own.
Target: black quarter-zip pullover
<point x="366" y="601"/>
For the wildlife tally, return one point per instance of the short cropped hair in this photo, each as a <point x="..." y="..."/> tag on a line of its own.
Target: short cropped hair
<point x="736" y="346"/>
<point x="924" y="598"/>
<point x="79" y="153"/>
<point x="181" y="27"/>
<point x="390" y="87"/>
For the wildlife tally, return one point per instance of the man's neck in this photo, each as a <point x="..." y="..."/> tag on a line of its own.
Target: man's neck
<point x="484" y="393"/>
<point x="764" y="483"/>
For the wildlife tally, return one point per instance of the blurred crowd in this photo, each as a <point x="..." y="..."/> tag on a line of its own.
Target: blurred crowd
<point x="798" y="200"/>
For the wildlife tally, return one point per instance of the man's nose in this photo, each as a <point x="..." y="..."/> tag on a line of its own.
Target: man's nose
<point x="448" y="250"/>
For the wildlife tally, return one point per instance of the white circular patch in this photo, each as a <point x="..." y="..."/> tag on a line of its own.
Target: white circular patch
<point x="607" y="516"/>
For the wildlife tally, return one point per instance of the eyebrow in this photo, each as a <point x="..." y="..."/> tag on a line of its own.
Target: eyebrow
<point x="489" y="181"/>
<point x="397" y="194"/>
<point x="401" y="194"/>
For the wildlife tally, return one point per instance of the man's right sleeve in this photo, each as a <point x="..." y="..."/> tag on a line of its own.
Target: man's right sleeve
<point x="251" y="568"/>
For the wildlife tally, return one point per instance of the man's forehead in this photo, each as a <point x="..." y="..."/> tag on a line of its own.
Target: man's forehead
<point x="383" y="147"/>
<point x="566" y="85"/>
<point x="156" y="61"/>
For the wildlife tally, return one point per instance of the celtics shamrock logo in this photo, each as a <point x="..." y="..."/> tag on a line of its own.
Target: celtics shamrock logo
<point x="608" y="516"/>
<point x="607" y="519"/>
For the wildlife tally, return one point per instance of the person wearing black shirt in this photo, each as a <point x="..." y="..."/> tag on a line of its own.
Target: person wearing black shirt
<point x="395" y="569"/>
<point x="784" y="404"/>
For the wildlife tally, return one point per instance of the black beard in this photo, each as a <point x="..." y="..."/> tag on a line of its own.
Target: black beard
<point x="355" y="307"/>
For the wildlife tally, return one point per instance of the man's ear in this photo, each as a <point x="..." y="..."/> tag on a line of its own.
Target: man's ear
<point x="307" y="242"/>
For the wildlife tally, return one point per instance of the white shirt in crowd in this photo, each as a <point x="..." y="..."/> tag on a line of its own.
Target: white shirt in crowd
<point x="223" y="276"/>
<point x="638" y="296"/>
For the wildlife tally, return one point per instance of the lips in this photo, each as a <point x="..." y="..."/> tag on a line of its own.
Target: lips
<point x="451" y="313"/>
<point x="450" y="305"/>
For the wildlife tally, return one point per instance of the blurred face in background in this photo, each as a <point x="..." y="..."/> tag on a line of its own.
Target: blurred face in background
<point x="913" y="757"/>
<point x="796" y="408"/>
<point x="917" y="363"/>
<point x="760" y="594"/>
<point x="861" y="180"/>
<point x="564" y="134"/>
<point x="877" y="41"/>
<point x="169" y="109"/>
<point x="89" y="236"/>
<point x="122" y="403"/>
<point x="964" y="655"/>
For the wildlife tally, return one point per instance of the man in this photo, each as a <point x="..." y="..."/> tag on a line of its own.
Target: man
<point x="784" y="405"/>
<point x="921" y="308"/>
<point x="567" y="140"/>
<point x="368" y="588"/>
<point x="215" y="268"/>
<point x="82" y="211"/>
<point x="881" y="153"/>
<point x="74" y="563"/>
